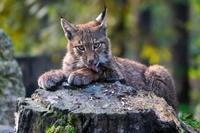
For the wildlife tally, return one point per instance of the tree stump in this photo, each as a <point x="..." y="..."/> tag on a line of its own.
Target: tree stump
<point x="96" y="108"/>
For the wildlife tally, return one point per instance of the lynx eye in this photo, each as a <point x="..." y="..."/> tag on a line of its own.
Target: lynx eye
<point x="81" y="48"/>
<point x="96" y="46"/>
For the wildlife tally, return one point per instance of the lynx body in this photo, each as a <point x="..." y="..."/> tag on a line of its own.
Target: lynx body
<point x="89" y="58"/>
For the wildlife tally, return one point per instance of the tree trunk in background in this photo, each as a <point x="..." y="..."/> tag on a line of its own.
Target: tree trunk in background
<point x="144" y="30"/>
<point x="180" y="50"/>
<point x="120" y="28"/>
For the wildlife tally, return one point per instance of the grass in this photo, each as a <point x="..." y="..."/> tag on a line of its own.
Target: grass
<point x="186" y="118"/>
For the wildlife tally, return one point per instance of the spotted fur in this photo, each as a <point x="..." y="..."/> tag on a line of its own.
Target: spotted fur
<point x="89" y="59"/>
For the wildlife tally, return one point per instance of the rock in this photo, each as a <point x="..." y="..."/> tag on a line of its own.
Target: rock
<point x="96" y="108"/>
<point x="11" y="86"/>
<point x="6" y="129"/>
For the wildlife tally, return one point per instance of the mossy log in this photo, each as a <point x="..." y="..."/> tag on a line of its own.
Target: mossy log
<point x="96" y="108"/>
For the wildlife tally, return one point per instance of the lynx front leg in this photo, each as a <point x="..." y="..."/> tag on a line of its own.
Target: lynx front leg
<point x="161" y="83"/>
<point x="82" y="76"/>
<point x="50" y="79"/>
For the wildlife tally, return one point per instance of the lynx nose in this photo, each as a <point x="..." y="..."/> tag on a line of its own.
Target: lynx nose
<point x="90" y="61"/>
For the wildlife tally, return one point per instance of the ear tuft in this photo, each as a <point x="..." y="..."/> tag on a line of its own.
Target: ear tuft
<point x="101" y="19"/>
<point x="69" y="29"/>
<point x="102" y="16"/>
<point x="60" y="15"/>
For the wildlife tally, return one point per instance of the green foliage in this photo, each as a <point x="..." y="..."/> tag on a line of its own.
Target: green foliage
<point x="185" y="115"/>
<point x="71" y="120"/>
<point x="2" y="85"/>
<point x="150" y="52"/>
<point x="184" y="108"/>
<point x="34" y="28"/>
<point x="71" y="127"/>
<point x="58" y="129"/>
<point x="63" y="127"/>
<point x="194" y="72"/>
<point x="188" y="120"/>
<point x="51" y="129"/>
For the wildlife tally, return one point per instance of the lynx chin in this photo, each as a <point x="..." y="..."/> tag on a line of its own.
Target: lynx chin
<point x="89" y="58"/>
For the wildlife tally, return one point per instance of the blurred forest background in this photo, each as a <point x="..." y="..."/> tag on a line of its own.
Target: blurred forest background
<point x="165" y="32"/>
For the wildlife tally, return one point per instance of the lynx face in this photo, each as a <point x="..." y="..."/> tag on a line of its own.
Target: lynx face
<point x="88" y="42"/>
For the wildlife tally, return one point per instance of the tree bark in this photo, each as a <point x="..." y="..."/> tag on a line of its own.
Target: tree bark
<point x="180" y="50"/>
<point x="96" y="108"/>
<point x="144" y="30"/>
<point x="120" y="28"/>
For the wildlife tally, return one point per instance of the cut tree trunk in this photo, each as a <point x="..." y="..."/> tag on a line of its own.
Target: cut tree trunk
<point x="96" y="108"/>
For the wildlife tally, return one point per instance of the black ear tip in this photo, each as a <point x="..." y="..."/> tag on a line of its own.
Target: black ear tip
<point x="60" y="15"/>
<point x="105" y="8"/>
<point x="104" y="11"/>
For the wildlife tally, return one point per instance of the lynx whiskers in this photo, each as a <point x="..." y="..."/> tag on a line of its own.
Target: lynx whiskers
<point x="89" y="58"/>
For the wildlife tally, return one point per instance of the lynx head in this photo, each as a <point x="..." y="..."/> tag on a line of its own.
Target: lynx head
<point x="88" y="43"/>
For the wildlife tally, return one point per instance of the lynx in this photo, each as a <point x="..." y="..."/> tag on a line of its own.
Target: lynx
<point x="89" y="59"/>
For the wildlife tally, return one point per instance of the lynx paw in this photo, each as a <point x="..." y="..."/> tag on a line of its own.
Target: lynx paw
<point x="50" y="79"/>
<point x="80" y="77"/>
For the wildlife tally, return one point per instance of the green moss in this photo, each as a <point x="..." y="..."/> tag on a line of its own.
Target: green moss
<point x="2" y="85"/>
<point x="50" y="130"/>
<point x="58" y="129"/>
<point x="63" y="127"/>
<point x="71" y="127"/>
<point x="188" y="120"/>
<point x="72" y="120"/>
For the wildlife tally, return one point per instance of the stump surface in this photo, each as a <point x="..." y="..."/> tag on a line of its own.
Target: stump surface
<point x="96" y="108"/>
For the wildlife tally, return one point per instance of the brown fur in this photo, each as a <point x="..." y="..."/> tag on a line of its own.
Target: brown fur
<point x="88" y="45"/>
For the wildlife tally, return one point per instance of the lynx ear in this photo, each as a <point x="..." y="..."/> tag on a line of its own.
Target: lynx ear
<point x="69" y="29"/>
<point x="101" y="19"/>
